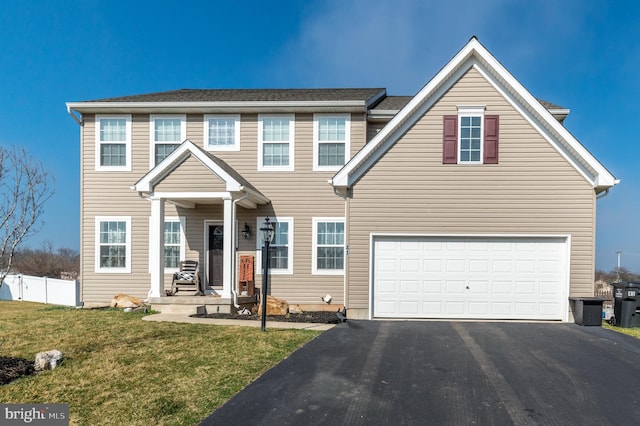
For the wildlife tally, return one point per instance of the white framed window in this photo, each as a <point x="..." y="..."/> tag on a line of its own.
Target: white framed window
<point x="174" y="243"/>
<point x="113" y="142"/>
<point x="222" y="132"/>
<point x="167" y="132"/>
<point x="113" y="244"/>
<point x="276" y="142"/>
<point x="331" y="141"/>
<point x="280" y="249"/>
<point x="470" y="131"/>
<point x="328" y="245"/>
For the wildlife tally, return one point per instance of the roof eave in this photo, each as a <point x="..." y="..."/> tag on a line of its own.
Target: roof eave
<point x="213" y="107"/>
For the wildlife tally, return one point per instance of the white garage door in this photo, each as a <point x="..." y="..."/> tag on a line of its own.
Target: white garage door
<point x="485" y="278"/>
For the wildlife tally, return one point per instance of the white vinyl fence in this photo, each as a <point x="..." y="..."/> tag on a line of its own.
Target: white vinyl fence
<point x="41" y="289"/>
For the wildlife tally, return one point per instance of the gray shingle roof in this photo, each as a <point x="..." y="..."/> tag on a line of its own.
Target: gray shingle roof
<point x="392" y="103"/>
<point x="549" y="105"/>
<point x="249" y="95"/>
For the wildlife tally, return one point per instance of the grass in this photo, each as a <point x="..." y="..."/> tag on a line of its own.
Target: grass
<point x="635" y="332"/>
<point x="118" y="369"/>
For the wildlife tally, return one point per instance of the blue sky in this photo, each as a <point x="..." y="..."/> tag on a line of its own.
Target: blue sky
<point x="580" y="54"/>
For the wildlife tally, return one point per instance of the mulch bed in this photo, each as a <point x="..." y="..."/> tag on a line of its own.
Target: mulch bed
<point x="14" y="368"/>
<point x="308" y="317"/>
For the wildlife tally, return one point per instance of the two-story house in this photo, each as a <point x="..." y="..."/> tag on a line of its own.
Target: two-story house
<point x="468" y="200"/>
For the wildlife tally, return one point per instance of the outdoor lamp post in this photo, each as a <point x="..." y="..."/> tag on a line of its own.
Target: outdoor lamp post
<point x="267" y="237"/>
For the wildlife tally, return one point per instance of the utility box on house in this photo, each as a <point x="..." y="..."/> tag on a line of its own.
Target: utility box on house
<point x="587" y="310"/>
<point x="626" y="308"/>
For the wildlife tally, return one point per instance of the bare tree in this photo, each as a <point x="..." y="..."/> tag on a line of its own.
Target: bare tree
<point x="25" y="187"/>
<point x="47" y="262"/>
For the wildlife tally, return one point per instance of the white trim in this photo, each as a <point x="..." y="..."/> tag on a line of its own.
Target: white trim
<point x="152" y="133"/>
<point x="314" y="246"/>
<point x="126" y="142"/>
<point x="473" y="54"/>
<point x="465" y="111"/>
<point x="224" y="107"/>
<point x="192" y="195"/>
<point x="567" y="237"/>
<point x="316" y="141"/>
<point x="127" y="244"/>
<point x="291" y="142"/>
<point x="215" y="148"/>
<point x="272" y="270"/>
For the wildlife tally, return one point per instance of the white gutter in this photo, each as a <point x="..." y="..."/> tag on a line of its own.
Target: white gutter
<point x="75" y="117"/>
<point x="228" y="106"/>
<point x="234" y="232"/>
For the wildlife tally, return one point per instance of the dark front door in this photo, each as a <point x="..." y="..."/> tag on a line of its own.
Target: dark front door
<point x="216" y="240"/>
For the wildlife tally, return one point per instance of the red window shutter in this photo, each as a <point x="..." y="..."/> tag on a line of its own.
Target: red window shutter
<point x="491" y="125"/>
<point x="450" y="140"/>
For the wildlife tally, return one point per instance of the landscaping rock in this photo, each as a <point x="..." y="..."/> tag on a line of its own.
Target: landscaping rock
<point x="47" y="360"/>
<point x="275" y="306"/>
<point x="125" y="301"/>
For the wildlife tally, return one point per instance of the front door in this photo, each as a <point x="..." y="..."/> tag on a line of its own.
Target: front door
<point x="215" y="255"/>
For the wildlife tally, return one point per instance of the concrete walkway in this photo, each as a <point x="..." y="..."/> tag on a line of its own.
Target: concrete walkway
<point x="184" y="318"/>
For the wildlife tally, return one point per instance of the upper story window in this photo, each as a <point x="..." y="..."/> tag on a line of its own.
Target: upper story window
<point x="113" y="142"/>
<point x="470" y="147"/>
<point x="113" y="244"/>
<point x="276" y="142"/>
<point x="331" y="141"/>
<point x="471" y="137"/>
<point x="167" y="133"/>
<point x="222" y="132"/>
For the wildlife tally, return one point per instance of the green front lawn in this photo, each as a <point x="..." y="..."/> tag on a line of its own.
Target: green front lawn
<point x="118" y="369"/>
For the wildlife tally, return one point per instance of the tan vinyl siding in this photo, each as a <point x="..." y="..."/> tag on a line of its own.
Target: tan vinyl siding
<point x="533" y="190"/>
<point x="191" y="176"/>
<point x="302" y="194"/>
<point x="108" y="193"/>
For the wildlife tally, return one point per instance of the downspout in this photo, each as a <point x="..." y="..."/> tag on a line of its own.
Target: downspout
<point x="75" y="117"/>
<point x="347" y="229"/>
<point x="234" y="281"/>
<point x="345" y="296"/>
<point x="602" y="194"/>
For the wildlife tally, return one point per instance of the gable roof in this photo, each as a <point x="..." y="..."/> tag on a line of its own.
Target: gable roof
<point x="234" y="182"/>
<point x="475" y="55"/>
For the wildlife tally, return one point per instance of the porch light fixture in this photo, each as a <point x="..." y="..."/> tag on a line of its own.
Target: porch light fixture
<point x="246" y="231"/>
<point x="267" y="236"/>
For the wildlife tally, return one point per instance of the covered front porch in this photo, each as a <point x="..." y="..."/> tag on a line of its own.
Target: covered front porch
<point x="207" y="194"/>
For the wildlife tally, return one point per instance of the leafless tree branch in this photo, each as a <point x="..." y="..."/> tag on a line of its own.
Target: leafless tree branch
<point x="25" y="187"/>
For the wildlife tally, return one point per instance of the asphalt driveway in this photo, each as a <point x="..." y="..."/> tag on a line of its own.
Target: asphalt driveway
<point x="448" y="373"/>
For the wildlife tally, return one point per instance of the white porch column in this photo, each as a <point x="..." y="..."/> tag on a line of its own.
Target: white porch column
<point x="229" y="247"/>
<point x="156" y="247"/>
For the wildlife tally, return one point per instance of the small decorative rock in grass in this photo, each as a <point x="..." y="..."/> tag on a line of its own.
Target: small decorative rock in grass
<point x="47" y="360"/>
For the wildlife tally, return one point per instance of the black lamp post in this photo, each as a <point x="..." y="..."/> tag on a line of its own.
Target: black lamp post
<point x="267" y="237"/>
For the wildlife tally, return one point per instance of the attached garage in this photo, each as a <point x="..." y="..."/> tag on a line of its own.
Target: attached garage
<point x="524" y="277"/>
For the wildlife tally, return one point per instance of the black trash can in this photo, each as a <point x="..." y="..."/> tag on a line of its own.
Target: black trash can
<point x="587" y="310"/>
<point x="626" y="308"/>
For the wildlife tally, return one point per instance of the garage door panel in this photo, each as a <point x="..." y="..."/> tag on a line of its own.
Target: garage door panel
<point x="454" y="309"/>
<point x="501" y="278"/>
